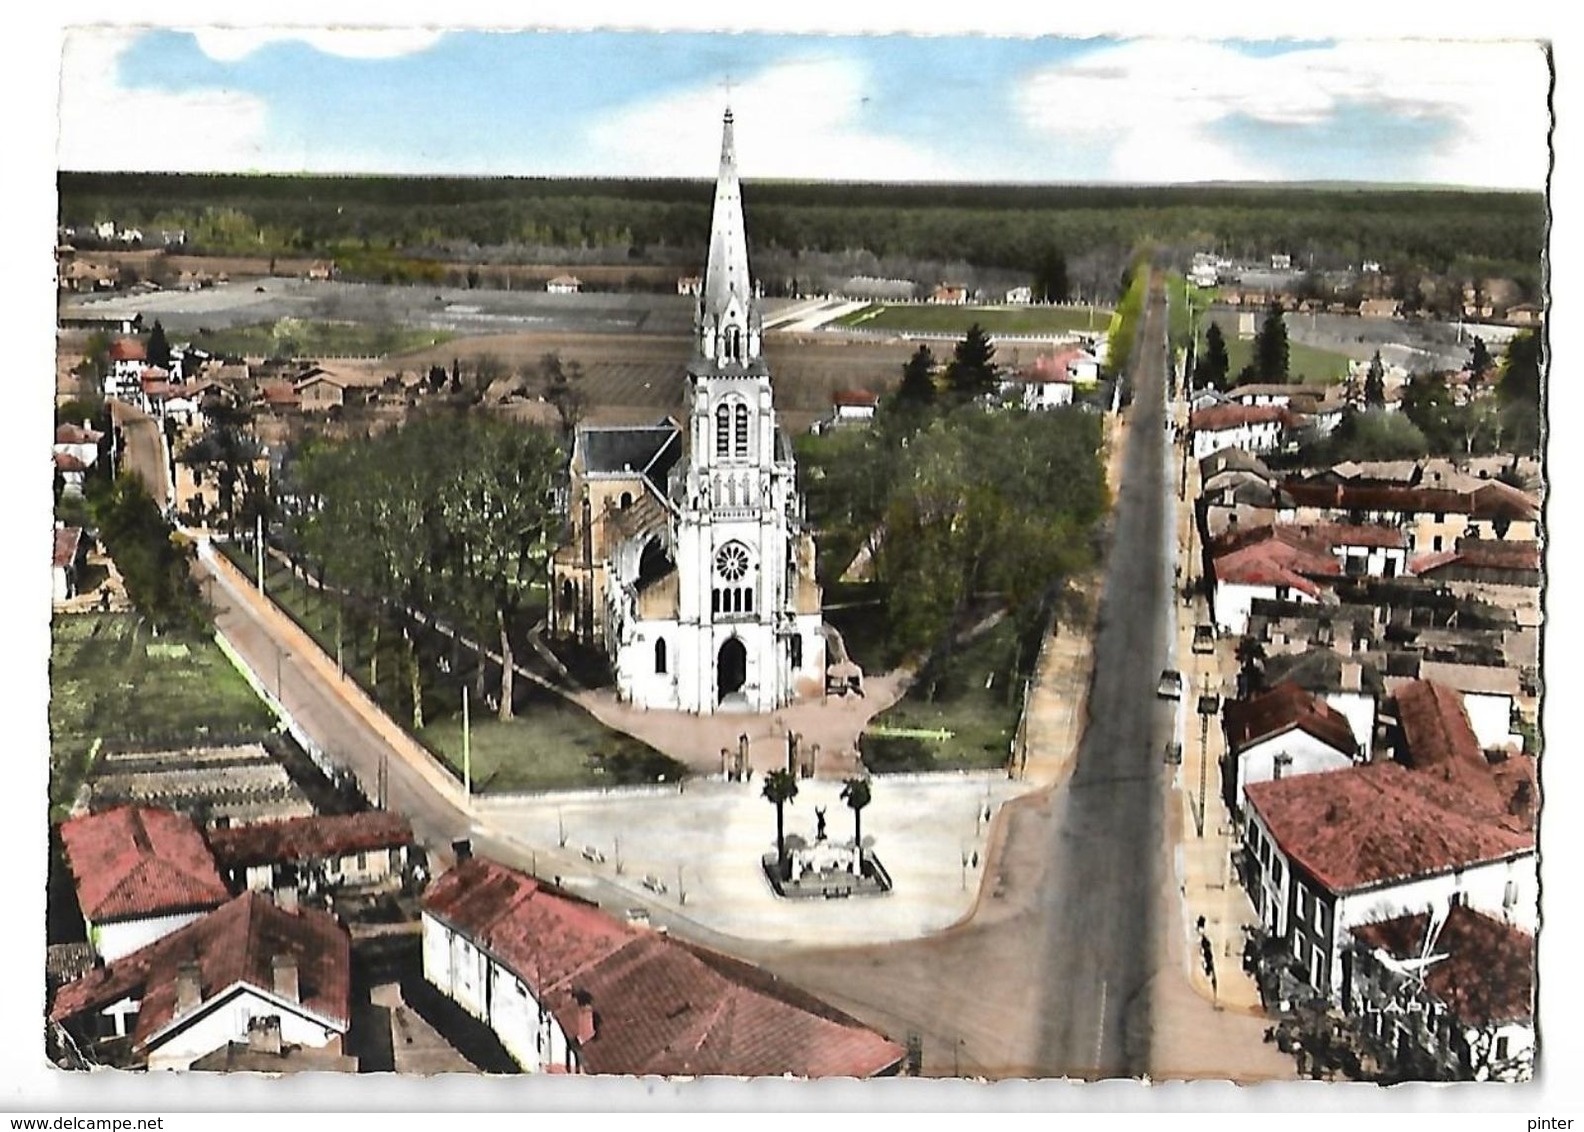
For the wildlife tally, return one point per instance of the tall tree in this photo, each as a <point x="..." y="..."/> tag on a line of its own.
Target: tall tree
<point x="1480" y="361"/>
<point x="1050" y="277"/>
<point x="971" y="373"/>
<point x="1270" y="346"/>
<point x="780" y="788"/>
<point x="159" y="351"/>
<point x="918" y="380"/>
<point x="1214" y="364"/>
<point x="1520" y="378"/>
<point x="563" y="388"/>
<point x="1375" y="383"/>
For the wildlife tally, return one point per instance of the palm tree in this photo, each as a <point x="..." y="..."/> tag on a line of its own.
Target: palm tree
<point x="855" y="792"/>
<point x="780" y="787"/>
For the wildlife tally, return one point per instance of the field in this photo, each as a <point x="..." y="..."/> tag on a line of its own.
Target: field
<point x="637" y="379"/>
<point x="1304" y="363"/>
<point x="969" y="725"/>
<point x="551" y="744"/>
<point x="312" y="339"/>
<point x="945" y="319"/>
<point x="111" y="680"/>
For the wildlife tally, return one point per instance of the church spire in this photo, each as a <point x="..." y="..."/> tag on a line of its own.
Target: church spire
<point x="727" y="296"/>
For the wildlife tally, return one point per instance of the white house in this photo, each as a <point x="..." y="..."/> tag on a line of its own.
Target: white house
<point x="1019" y="295"/>
<point x="1035" y="389"/>
<point x="853" y="406"/>
<point x="1325" y="853"/>
<point x="1271" y="563"/>
<point x="568" y="988"/>
<point x="209" y="984"/>
<point x="140" y="874"/>
<point x="128" y="360"/>
<point x="1282" y="733"/>
<point x="1488" y="693"/>
<point x="1253" y="428"/>
<point x="564" y="285"/>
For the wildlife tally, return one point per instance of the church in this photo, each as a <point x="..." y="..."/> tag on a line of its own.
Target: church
<point x="688" y="561"/>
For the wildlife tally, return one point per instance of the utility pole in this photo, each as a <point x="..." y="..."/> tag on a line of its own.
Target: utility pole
<point x="258" y="546"/>
<point x="467" y="754"/>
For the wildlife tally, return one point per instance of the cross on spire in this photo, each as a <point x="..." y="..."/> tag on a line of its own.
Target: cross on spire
<point x="726" y="85"/>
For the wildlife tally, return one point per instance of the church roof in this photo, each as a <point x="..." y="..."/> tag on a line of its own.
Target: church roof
<point x="727" y="272"/>
<point x="651" y="450"/>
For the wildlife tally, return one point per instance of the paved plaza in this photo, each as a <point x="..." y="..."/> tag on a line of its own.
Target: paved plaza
<point x="703" y="844"/>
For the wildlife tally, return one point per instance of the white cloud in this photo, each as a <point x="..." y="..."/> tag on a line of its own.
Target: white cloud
<point x="227" y="45"/>
<point x="797" y="119"/>
<point x="1160" y="103"/>
<point x="107" y="126"/>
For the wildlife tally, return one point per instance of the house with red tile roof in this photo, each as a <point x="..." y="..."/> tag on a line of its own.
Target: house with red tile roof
<point x="140" y="874"/>
<point x="1458" y="988"/>
<point x="1281" y="733"/>
<point x="1254" y="563"/>
<point x="318" y="853"/>
<point x="201" y="988"/>
<point x="1435" y="518"/>
<point x="1324" y="853"/>
<point x="1253" y="428"/>
<point x="128" y="359"/>
<point x="569" y="989"/>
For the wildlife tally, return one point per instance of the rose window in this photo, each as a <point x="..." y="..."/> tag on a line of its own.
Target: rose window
<point x="731" y="562"/>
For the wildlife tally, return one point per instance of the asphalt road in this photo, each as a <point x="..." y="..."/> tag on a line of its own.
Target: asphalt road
<point x="1100" y="899"/>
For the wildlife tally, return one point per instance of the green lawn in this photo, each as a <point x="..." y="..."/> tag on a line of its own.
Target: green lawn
<point x="996" y="320"/>
<point x="111" y="680"/>
<point x="972" y="704"/>
<point x="294" y="338"/>
<point x="1304" y="363"/>
<point x="551" y="743"/>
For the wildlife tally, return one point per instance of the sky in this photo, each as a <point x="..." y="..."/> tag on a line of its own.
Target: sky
<point x="844" y="107"/>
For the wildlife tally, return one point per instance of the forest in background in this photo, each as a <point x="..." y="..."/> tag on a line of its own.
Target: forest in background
<point x="1014" y="227"/>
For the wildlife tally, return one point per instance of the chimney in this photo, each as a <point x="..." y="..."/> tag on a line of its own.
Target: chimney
<point x="189" y="988"/>
<point x="585" y="1017"/>
<point x="283" y="972"/>
<point x="264" y="1035"/>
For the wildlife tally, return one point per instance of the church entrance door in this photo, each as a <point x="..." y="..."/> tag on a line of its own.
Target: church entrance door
<point x="731" y="668"/>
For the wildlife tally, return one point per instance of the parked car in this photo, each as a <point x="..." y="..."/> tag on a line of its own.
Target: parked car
<point x="1170" y="686"/>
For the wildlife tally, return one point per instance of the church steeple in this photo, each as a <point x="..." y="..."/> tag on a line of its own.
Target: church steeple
<point x="728" y="332"/>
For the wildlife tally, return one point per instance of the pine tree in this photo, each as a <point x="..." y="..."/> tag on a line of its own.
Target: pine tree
<point x="159" y="351"/>
<point x="1050" y="277"/>
<point x="918" y="380"/>
<point x="1480" y="362"/>
<point x="1270" y="347"/>
<point x="1215" y="364"/>
<point x="1375" y="383"/>
<point x="971" y="373"/>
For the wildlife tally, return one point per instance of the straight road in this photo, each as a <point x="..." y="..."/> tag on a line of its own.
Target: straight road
<point x="1100" y="907"/>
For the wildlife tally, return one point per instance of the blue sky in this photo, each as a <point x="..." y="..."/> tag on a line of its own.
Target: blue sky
<point x="892" y="107"/>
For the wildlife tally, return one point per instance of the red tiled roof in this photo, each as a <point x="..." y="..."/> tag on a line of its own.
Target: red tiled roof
<point x="68" y="541"/>
<point x="1284" y="708"/>
<point x="66" y="462"/>
<point x="1436" y="727"/>
<point x="132" y="862"/>
<point x="76" y="434"/>
<point x="237" y="943"/>
<point x="1483" y="503"/>
<point x="1219" y="417"/>
<point x="1279" y="556"/>
<point x="308" y="838"/>
<point x="1372" y="825"/>
<point x="660" y="1006"/>
<point x="128" y="350"/>
<point x="1484" y="554"/>
<point x="1488" y="974"/>
<point x="279" y="392"/>
<point x="855" y="398"/>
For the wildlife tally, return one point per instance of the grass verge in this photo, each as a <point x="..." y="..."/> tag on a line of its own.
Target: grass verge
<point x="929" y="318"/>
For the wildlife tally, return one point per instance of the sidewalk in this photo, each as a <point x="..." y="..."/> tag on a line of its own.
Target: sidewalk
<point x="1202" y="858"/>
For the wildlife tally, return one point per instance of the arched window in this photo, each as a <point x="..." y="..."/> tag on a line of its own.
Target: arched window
<point x="626" y="500"/>
<point x="733" y="344"/>
<point x="740" y="429"/>
<point x="660" y="656"/>
<point x="715" y="600"/>
<point x="722" y="431"/>
<point x="796" y="649"/>
<point x="748" y="600"/>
